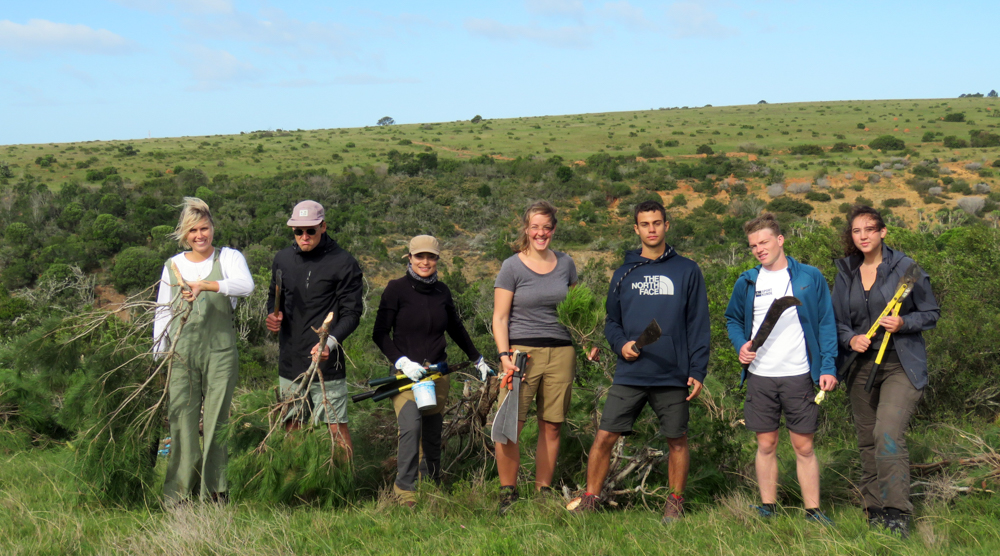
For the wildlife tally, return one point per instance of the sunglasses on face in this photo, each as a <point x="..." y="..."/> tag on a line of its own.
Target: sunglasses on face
<point x="307" y="231"/>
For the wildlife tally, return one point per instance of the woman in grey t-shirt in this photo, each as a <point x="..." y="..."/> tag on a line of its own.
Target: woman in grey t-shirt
<point x="528" y="288"/>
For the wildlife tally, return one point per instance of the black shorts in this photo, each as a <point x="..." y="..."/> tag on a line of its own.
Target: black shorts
<point x="769" y="397"/>
<point x="626" y="402"/>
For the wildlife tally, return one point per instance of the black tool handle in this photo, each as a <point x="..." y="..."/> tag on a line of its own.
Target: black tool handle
<point x="363" y="396"/>
<point x="870" y="383"/>
<point x="846" y="365"/>
<point x="386" y="380"/>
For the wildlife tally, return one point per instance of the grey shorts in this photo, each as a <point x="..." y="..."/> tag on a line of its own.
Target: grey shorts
<point x="625" y="403"/>
<point x="769" y="397"/>
<point x="335" y="411"/>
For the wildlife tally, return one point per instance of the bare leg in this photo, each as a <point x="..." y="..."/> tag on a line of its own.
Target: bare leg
<point x="807" y="467"/>
<point x="509" y="459"/>
<point x="599" y="460"/>
<point x="293" y="425"/>
<point x="546" y="453"/>
<point x="678" y="463"/>
<point x="767" y="466"/>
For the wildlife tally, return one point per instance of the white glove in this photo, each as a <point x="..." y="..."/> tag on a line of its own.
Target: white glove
<point x="412" y="370"/>
<point x="484" y="370"/>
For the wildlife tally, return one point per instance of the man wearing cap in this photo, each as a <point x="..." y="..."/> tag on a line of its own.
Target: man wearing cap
<point x="317" y="277"/>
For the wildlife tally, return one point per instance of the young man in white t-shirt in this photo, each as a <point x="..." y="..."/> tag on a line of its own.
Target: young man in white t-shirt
<point x="799" y="352"/>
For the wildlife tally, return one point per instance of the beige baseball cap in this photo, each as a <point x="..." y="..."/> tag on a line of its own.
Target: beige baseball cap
<point x="307" y="213"/>
<point x="424" y="244"/>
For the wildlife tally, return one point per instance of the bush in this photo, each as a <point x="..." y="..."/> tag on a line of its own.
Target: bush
<point x="713" y="206"/>
<point x="960" y="186"/>
<point x="924" y="170"/>
<point x="813" y="150"/>
<point x="799" y="187"/>
<point x="859" y="200"/>
<point x="776" y="189"/>
<point x="971" y="205"/>
<point x="996" y="163"/>
<point x="928" y="137"/>
<point x="136" y="268"/>
<point x="704" y="149"/>
<point x="791" y="206"/>
<point x="841" y="147"/>
<point x="646" y="150"/>
<point x="892" y="203"/>
<point x="874" y="178"/>
<point x="973" y="166"/>
<point x="954" y="117"/>
<point x="981" y="139"/>
<point x="818" y="197"/>
<point x="887" y="143"/>
<point x="953" y="142"/>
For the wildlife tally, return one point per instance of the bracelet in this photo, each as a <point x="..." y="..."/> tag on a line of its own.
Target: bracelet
<point x="502" y="354"/>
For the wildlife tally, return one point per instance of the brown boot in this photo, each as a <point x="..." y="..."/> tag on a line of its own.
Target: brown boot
<point x="674" y="509"/>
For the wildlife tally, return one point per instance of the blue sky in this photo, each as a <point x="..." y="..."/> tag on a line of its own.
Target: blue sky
<point x="127" y="69"/>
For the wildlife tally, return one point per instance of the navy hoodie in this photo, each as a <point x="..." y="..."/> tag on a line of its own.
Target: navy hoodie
<point x="670" y="289"/>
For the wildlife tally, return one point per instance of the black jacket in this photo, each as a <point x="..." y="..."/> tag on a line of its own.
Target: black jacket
<point x="412" y="319"/>
<point x="314" y="283"/>
<point x="920" y="310"/>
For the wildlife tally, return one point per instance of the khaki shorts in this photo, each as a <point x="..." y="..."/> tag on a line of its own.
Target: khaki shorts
<point x="441" y="388"/>
<point x="336" y="392"/>
<point x="549" y="374"/>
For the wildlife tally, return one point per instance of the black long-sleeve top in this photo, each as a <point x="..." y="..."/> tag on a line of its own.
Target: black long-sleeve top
<point x="412" y="319"/>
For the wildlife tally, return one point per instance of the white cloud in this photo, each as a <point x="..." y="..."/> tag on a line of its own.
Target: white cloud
<point x="368" y="79"/>
<point x="214" y="69"/>
<point x="689" y="19"/>
<point x="561" y="8"/>
<point x="42" y="35"/>
<point x="273" y="29"/>
<point x="626" y="13"/>
<point x="191" y="6"/>
<point x="562" y="37"/>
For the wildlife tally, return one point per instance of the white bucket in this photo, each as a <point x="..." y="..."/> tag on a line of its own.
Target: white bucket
<point x="423" y="393"/>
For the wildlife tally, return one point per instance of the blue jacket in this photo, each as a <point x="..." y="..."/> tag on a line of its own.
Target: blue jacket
<point x="815" y="315"/>
<point x="920" y="310"/>
<point x="672" y="290"/>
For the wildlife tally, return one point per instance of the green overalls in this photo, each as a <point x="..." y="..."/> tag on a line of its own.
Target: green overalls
<point x="206" y="368"/>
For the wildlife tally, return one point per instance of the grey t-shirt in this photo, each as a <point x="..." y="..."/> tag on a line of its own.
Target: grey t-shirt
<point x="533" y="311"/>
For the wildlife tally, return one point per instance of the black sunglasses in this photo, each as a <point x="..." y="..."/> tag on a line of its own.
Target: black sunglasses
<point x="307" y="231"/>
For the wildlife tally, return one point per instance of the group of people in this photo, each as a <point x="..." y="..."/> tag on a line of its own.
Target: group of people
<point x="654" y="286"/>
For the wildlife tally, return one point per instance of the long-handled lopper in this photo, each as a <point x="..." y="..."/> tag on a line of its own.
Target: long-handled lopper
<point x="395" y="384"/>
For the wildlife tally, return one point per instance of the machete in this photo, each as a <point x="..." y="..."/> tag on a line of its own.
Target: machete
<point x="903" y="289"/>
<point x="774" y="313"/>
<point x="505" y="421"/>
<point x="651" y="334"/>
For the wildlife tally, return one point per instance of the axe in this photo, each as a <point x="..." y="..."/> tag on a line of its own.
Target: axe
<point x="774" y="312"/>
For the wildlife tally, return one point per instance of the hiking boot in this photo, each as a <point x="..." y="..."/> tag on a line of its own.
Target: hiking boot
<point x="673" y="509"/>
<point x="897" y="522"/>
<point x="764" y="511"/>
<point x="876" y="518"/>
<point x="818" y="517"/>
<point x="508" y="495"/>
<point x="586" y="503"/>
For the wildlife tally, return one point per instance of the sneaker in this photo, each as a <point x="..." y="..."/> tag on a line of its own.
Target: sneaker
<point x="508" y="495"/>
<point x="876" y="518"/>
<point x="897" y="522"/>
<point x="819" y="517"/>
<point x="673" y="509"/>
<point x="763" y="511"/>
<point x="586" y="503"/>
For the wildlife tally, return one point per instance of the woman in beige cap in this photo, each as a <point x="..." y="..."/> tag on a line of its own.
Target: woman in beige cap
<point x="413" y="316"/>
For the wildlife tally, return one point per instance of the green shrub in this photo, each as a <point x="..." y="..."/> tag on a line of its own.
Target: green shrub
<point x="892" y="203"/>
<point x="713" y="206"/>
<point x="954" y="117"/>
<point x="136" y="268"/>
<point x="859" y="200"/>
<point x="887" y="143"/>
<point x="841" y="147"/>
<point x="813" y="150"/>
<point x="790" y="205"/>
<point x="960" y="186"/>
<point x="928" y="137"/>
<point x="704" y="149"/>
<point x="817" y="197"/>
<point x="953" y="142"/>
<point x="981" y="139"/>
<point x="647" y="150"/>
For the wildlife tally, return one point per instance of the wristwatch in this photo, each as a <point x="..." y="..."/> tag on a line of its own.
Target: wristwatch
<point x="502" y="354"/>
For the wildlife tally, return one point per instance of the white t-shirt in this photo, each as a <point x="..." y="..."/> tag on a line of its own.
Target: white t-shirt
<point x="784" y="351"/>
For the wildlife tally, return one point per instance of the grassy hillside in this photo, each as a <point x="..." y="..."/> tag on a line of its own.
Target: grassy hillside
<point x="767" y="132"/>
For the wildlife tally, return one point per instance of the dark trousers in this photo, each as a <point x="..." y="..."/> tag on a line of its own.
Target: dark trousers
<point x="881" y="418"/>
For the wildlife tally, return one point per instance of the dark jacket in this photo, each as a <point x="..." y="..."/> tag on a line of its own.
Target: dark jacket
<point x="672" y="290"/>
<point x="412" y="319"/>
<point x="920" y="310"/>
<point x="313" y="283"/>
<point x="815" y="315"/>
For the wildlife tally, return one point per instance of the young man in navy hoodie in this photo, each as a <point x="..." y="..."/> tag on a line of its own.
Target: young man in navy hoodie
<point x="654" y="282"/>
<point x="799" y="352"/>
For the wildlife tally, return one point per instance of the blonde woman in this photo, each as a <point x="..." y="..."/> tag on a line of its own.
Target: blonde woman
<point x="206" y="365"/>
<point x="530" y="285"/>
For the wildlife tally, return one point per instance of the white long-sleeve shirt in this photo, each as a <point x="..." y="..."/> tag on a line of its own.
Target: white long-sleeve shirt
<point x="236" y="282"/>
